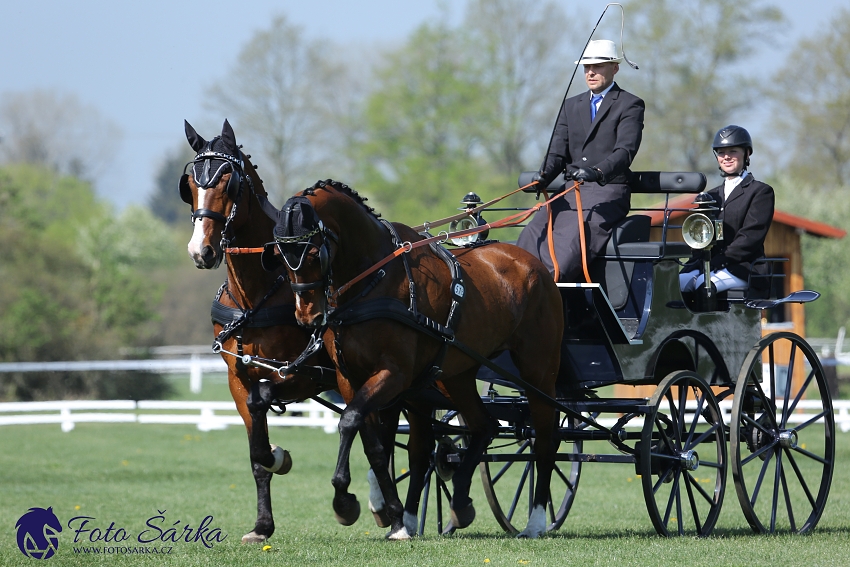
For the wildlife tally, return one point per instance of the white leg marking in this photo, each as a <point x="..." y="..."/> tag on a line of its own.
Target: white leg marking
<point x="411" y="522"/>
<point x="536" y="523"/>
<point x="376" y="498"/>
<point x="197" y="241"/>
<point x="400" y="535"/>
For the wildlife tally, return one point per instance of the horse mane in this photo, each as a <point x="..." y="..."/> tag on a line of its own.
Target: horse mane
<point x="342" y="187"/>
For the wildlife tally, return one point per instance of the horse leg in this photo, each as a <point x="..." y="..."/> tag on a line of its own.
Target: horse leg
<point x="255" y="425"/>
<point x="370" y="435"/>
<point x="543" y="419"/>
<point x="482" y="428"/>
<point x="389" y="425"/>
<point x="420" y="445"/>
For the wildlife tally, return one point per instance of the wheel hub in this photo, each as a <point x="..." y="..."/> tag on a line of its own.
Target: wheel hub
<point x="446" y="459"/>
<point x="689" y="460"/>
<point x="788" y="439"/>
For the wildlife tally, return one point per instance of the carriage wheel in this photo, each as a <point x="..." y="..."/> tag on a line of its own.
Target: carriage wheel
<point x="782" y="436"/>
<point x="509" y="480"/>
<point x="682" y="456"/>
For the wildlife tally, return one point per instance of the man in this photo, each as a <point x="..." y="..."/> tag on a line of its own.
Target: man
<point x="746" y="209"/>
<point x="595" y="140"/>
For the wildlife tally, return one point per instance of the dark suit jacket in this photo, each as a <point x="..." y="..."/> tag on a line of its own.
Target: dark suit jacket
<point x="746" y="215"/>
<point x="609" y="143"/>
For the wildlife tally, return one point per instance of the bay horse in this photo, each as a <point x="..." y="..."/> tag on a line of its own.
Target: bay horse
<point x="253" y="312"/>
<point x="417" y="321"/>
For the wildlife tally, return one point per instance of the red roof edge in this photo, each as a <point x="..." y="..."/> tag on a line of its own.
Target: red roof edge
<point x="808" y="226"/>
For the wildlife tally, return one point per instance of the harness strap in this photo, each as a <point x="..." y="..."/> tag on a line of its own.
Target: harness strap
<point x="266" y="317"/>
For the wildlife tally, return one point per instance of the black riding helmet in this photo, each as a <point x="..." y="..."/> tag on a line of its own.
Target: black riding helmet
<point x="734" y="136"/>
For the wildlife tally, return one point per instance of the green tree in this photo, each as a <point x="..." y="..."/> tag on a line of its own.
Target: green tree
<point x="280" y="96"/>
<point x="517" y="46"/>
<point x="418" y="150"/>
<point x="812" y="106"/>
<point x="690" y="74"/>
<point x="165" y="201"/>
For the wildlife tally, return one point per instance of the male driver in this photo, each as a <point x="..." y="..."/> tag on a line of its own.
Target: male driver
<point x="595" y="140"/>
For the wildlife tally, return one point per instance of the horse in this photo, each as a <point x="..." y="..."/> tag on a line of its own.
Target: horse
<point x="383" y="332"/>
<point x="253" y="312"/>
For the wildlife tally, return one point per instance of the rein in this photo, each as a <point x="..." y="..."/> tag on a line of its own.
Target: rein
<point x="506" y="222"/>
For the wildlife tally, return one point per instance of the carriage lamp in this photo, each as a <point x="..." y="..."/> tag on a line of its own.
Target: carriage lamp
<point x="701" y="230"/>
<point x="469" y="202"/>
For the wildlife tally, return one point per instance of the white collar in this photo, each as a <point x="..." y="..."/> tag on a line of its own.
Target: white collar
<point x="603" y="93"/>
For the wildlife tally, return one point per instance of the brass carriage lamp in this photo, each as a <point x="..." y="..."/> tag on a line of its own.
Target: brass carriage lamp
<point x="469" y="202"/>
<point x="702" y="229"/>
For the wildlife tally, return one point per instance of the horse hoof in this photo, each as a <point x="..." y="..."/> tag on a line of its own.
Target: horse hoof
<point x="448" y="530"/>
<point x="398" y="535"/>
<point x="282" y="461"/>
<point x="254" y="537"/>
<point x="346" y="509"/>
<point x="381" y="517"/>
<point x="462" y="518"/>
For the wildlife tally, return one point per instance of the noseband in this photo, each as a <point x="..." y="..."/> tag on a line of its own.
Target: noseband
<point x="205" y="178"/>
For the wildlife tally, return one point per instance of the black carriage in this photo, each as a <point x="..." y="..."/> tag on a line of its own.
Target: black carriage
<point x="725" y="397"/>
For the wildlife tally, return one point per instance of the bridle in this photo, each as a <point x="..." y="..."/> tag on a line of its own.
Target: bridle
<point x="296" y="261"/>
<point x="205" y="178"/>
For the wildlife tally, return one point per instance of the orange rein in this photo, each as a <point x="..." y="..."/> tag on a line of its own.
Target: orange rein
<point x="236" y="251"/>
<point x="506" y="222"/>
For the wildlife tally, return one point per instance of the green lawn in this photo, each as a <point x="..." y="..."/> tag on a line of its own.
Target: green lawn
<point x="127" y="473"/>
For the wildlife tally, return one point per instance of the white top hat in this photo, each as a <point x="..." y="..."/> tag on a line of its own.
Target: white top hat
<point x="600" y="51"/>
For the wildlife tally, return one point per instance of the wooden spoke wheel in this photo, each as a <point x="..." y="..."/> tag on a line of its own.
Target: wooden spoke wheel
<point x="682" y="456"/>
<point x="508" y="473"/>
<point x="782" y="436"/>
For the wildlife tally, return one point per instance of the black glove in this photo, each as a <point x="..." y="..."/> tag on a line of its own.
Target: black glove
<point x="586" y="174"/>
<point x="538" y="177"/>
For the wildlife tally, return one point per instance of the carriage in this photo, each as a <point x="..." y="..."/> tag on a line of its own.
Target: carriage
<point x="724" y="397"/>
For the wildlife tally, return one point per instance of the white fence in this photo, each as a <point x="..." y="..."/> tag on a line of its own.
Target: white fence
<point x="218" y="415"/>
<point x="205" y="415"/>
<point x="195" y="365"/>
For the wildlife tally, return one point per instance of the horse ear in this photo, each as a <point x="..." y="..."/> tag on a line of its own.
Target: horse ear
<point x="195" y="140"/>
<point x="228" y="137"/>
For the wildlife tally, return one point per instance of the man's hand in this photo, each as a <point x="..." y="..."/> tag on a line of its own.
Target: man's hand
<point x="586" y="174"/>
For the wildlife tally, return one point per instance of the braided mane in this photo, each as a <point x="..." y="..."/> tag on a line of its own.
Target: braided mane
<point x="339" y="186"/>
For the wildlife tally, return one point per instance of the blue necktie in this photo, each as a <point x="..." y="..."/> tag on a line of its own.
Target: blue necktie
<point x="593" y="102"/>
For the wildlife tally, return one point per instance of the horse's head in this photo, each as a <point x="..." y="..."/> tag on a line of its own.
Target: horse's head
<point x="305" y="246"/>
<point x="213" y="187"/>
<point x="323" y="233"/>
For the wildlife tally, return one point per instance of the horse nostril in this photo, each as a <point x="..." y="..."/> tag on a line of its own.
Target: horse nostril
<point x="208" y="254"/>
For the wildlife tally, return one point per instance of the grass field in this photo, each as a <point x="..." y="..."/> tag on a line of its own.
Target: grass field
<point x="128" y="473"/>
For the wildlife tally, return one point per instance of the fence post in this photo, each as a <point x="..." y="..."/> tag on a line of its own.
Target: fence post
<point x="196" y="374"/>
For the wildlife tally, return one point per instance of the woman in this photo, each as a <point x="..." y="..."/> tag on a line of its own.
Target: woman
<point x="746" y="209"/>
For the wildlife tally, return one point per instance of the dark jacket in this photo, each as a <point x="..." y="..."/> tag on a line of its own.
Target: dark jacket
<point x="746" y="215"/>
<point x="609" y="143"/>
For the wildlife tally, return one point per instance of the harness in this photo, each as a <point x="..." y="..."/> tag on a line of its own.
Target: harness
<point x="354" y="311"/>
<point x="235" y="320"/>
<point x="205" y="176"/>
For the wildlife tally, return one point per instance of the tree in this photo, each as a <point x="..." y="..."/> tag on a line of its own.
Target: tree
<point x="55" y="130"/>
<point x="517" y="49"/>
<point x="812" y="106"/>
<point x="418" y="148"/>
<point x="688" y="70"/>
<point x="165" y="202"/>
<point x="279" y="96"/>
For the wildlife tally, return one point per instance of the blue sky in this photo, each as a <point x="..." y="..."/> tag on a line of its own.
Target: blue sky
<point x="144" y="65"/>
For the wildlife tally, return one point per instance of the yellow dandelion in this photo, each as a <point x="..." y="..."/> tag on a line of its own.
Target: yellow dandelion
<point x="77" y="507"/>
<point x="486" y="560"/>
<point x="522" y="561"/>
<point x="629" y="479"/>
<point x="365" y="533"/>
<point x="267" y="548"/>
<point x="125" y="463"/>
<point x="232" y="486"/>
